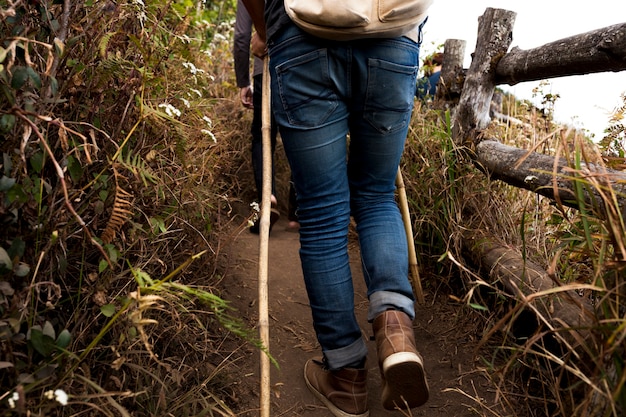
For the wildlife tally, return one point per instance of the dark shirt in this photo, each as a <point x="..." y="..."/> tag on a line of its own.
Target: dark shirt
<point x="241" y="49"/>
<point x="275" y="17"/>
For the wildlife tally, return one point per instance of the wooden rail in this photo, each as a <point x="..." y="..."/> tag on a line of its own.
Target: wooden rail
<point x="469" y="93"/>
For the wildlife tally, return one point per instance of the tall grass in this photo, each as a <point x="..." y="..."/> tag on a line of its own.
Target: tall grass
<point x="540" y="373"/>
<point x="118" y="130"/>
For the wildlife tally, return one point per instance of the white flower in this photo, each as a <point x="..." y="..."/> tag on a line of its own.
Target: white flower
<point x="198" y="92"/>
<point x="219" y="37"/>
<point x="208" y="120"/>
<point x="255" y="206"/>
<point x="61" y="396"/>
<point x="192" y="68"/>
<point x="185" y="102"/>
<point x="13" y="399"/>
<point x="209" y="134"/>
<point x="170" y="110"/>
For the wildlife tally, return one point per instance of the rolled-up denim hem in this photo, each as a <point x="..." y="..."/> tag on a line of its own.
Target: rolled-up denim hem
<point x="342" y="357"/>
<point x="381" y="301"/>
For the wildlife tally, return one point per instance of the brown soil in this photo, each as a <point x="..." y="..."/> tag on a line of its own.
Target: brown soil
<point x="446" y="334"/>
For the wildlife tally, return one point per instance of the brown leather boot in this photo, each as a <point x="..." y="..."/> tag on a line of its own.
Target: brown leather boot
<point x="401" y="367"/>
<point x="344" y="392"/>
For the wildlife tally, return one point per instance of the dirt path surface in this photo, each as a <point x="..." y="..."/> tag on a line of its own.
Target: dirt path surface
<point x="445" y="334"/>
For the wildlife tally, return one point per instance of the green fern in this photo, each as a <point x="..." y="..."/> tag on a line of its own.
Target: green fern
<point x="136" y="164"/>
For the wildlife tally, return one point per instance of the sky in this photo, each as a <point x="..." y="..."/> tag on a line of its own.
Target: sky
<point x="585" y="101"/>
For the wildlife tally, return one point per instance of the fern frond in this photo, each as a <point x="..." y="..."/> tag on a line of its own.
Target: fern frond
<point x="121" y="211"/>
<point x="135" y="164"/>
<point x="104" y="42"/>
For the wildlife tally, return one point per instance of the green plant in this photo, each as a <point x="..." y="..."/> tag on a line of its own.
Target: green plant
<point x="89" y="158"/>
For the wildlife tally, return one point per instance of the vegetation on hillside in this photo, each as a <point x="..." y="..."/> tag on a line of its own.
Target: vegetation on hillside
<point x="125" y="169"/>
<point x="117" y="176"/>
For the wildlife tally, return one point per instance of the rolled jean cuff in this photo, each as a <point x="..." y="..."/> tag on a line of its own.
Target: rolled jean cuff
<point x="342" y="357"/>
<point x="381" y="301"/>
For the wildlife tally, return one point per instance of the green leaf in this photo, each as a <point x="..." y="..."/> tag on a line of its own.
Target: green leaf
<point x="103" y="265"/>
<point x="64" y="339"/>
<point x="42" y="343"/>
<point x="112" y="252"/>
<point x="143" y="278"/>
<point x="54" y="86"/>
<point x="158" y="225"/>
<point x="54" y="25"/>
<point x="6" y="183"/>
<point x="7" y="121"/>
<point x="3" y="54"/>
<point x="35" y="78"/>
<point x="5" y="260"/>
<point x="20" y="75"/>
<point x="48" y="330"/>
<point x="74" y="168"/>
<point x="59" y="46"/>
<point x="103" y="194"/>
<point x="17" y="194"/>
<point x="21" y="270"/>
<point x="17" y="248"/>
<point x="36" y="161"/>
<point x="8" y="164"/>
<point x="107" y="310"/>
<point x="478" y="307"/>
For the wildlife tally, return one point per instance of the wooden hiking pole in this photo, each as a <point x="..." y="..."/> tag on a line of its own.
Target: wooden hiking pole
<point x="264" y="234"/>
<point x="408" y="228"/>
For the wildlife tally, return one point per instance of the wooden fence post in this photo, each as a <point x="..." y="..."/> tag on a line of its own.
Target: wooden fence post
<point x="494" y="38"/>
<point x="452" y="75"/>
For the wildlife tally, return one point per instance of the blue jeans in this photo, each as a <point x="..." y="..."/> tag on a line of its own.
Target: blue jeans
<point x="321" y="92"/>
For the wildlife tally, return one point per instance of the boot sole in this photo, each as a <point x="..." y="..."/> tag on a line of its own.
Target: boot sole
<point x="337" y="412"/>
<point x="405" y="383"/>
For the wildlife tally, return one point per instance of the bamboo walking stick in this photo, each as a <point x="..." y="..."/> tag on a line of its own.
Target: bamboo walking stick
<point x="408" y="228"/>
<point x="264" y="232"/>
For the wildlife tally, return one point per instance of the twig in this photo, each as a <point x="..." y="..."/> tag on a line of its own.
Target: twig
<point x="61" y="176"/>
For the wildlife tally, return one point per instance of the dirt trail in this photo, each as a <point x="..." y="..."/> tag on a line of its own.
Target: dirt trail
<point x="445" y="335"/>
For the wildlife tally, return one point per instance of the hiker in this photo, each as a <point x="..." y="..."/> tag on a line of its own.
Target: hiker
<point x="427" y="85"/>
<point x="251" y="96"/>
<point x="322" y="91"/>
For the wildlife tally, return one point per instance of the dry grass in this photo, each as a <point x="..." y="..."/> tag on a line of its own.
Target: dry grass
<point x="539" y="374"/>
<point x="130" y="324"/>
<point x="134" y="325"/>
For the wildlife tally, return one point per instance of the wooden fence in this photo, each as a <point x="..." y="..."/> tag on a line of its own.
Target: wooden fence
<point x="469" y="93"/>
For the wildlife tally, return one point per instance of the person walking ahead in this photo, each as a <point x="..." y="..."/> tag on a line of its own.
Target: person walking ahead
<point x="250" y="95"/>
<point x="322" y="91"/>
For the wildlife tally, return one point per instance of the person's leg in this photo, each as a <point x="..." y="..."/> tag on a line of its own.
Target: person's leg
<point x="384" y="74"/>
<point x="308" y="89"/>
<point x="257" y="150"/>
<point x="257" y="137"/>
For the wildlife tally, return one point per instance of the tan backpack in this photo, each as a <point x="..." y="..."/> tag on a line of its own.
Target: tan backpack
<point x="356" y="19"/>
